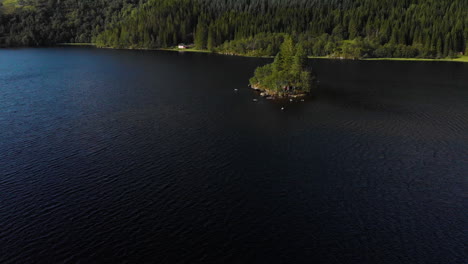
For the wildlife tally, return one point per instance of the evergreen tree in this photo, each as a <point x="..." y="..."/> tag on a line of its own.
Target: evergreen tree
<point x="200" y="36"/>
<point x="287" y="75"/>
<point x="429" y="28"/>
<point x="211" y="39"/>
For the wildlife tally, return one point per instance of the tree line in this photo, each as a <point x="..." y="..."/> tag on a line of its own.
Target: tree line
<point x="337" y="28"/>
<point x="48" y="22"/>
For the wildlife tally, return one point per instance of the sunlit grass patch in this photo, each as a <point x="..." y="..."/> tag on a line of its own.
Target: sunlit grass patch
<point x="10" y="6"/>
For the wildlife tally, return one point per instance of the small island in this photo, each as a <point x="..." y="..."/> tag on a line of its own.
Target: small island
<point x="287" y="76"/>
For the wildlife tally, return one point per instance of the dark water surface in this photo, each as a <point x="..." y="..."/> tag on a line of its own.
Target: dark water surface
<point x="151" y="157"/>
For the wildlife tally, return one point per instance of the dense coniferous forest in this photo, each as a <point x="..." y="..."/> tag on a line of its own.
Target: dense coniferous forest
<point x="336" y="28"/>
<point x="48" y="22"/>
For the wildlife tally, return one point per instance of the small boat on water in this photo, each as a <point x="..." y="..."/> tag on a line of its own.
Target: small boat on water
<point x="282" y="108"/>
<point x="255" y="100"/>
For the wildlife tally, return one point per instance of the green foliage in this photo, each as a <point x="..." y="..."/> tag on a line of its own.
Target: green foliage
<point x="201" y="36"/>
<point x="48" y="22"/>
<point x="346" y="28"/>
<point x="156" y="24"/>
<point x="287" y="74"/>
<point x="211" y="40"/>
<point x="262" y="45"/>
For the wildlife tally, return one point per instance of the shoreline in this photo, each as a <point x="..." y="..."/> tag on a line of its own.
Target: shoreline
<point x="460" y="59"/>
<point x="463" y="59"/>
<point x="269" y="95"/>
<point x="76" y="44"/>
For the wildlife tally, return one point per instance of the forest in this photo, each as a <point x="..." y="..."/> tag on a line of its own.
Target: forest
<point x="333" y="28"/>
<point x="49" y="22"/>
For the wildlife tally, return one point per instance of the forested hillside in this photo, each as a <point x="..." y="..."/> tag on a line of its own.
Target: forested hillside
<point x="339" y="28"/>
<point x="47" y="22"/>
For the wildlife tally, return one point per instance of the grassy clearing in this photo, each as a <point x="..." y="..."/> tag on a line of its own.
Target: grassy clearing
<point x="76" y="44"/>
<point x="9" y="6"/>
<point x="321" y="57"/>
<point x="460" y="59"/>
<point x="185" y="50"/>
<point x="208" y="51"/>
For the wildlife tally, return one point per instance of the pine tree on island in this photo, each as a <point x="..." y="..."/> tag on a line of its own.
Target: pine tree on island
<point x="287" y="76"/>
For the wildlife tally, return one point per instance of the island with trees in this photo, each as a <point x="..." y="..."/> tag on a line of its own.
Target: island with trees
<point x="287" y="76"/>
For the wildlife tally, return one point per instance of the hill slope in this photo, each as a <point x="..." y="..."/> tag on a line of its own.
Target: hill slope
<point x="47" y="22"/>
<point x="338" y="28"/>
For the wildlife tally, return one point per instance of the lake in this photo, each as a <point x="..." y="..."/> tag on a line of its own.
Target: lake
<point x="150" y="156"/>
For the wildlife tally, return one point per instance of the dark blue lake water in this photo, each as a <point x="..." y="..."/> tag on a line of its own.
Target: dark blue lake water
<point x="151" y="157"/>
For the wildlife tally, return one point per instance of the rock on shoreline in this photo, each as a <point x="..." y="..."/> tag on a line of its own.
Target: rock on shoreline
<point x="270" y="95"/>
